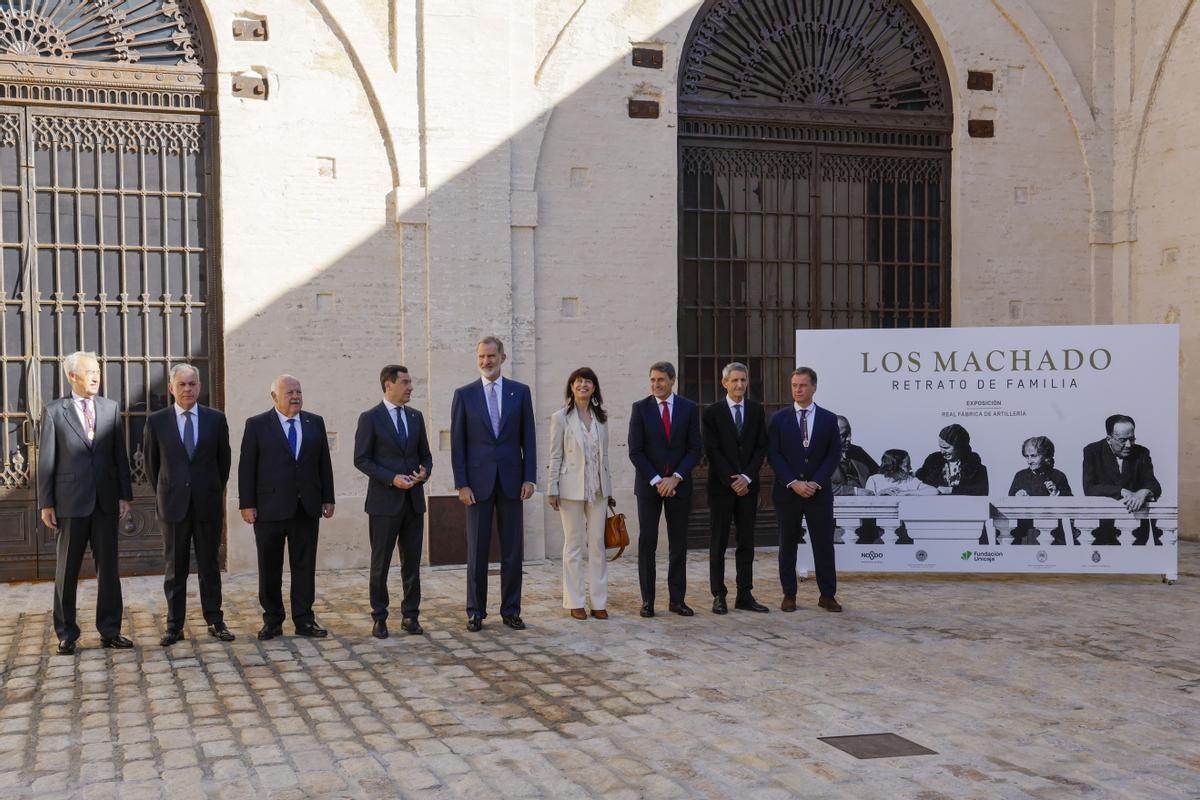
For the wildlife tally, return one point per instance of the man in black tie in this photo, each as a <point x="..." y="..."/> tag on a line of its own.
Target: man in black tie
<point x="187" y="458"/>
<point x="1119" y="468"/>
<point x="664" y="446"/>
<point x="84" y="488"/>
<point x="735" y="441"/>
<point x="285" y="486"/>
<point x="392" y="450"/>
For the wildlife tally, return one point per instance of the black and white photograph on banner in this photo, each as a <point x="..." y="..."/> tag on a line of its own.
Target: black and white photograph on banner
<point x="1031" y="449"/>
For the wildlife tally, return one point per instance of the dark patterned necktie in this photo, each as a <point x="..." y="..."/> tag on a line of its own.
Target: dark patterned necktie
<point x="189" y="435"/>
<point x="400" y="429"/>
<point x="293" y="438"/>
<point x="737" y="417"/>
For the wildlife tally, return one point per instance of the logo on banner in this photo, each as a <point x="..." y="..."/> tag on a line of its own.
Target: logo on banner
<point x="871" y="555"/>
<point x="922" y="555"/>
<point x="1042" y="555"/>
<point x="1095" y="556"/>
<point x="966" y="556"/>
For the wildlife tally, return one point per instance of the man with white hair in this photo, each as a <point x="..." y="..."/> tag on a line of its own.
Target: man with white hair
<point x="187" y="458"/>
<point x="84" y="489"/>
<point x="285" y="486"/>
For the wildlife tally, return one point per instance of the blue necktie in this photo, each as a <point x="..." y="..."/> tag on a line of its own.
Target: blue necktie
<point x="293" y="439"/>
<point x="401" y="430"/>
<point x="494" y="409"/>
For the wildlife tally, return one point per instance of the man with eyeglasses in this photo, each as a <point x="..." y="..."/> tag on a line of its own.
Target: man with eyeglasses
<point x="84" y="488"/>
<point x="1119" y="468"/>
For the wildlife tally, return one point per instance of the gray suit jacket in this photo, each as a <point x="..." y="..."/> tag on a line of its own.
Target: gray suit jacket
<point x="73" y="479"/>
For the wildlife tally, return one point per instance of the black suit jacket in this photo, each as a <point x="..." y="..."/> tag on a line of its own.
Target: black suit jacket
<point x="792" y="461"/>
<point x="1102" y="478"/>
<point x="179" y="482"/>
<point x="730" y="453"/>
<point x="272" y="481"/>
<point x="650" y="451"/>
<point x="379" y="456"/>
<point x="73" y="479"/>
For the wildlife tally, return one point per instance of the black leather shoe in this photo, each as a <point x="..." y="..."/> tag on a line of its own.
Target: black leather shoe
<point x="411" y="626"/>
<point x="647" y="610"/>
<point x="221" y="631"/>
<point x="379" y="629"/>
<point x="66" y="647"/>
<point x="474" y="623"/>
<point x="311" y="630"/>
<point x="117" y="642"/>
<point x="719" y="606"/>
<point x="748" y="603"/>
<point x="515" y="622"/>
<point x="269" y="632"/>
<point x="681" y="608"/>
<point x="171" y="637"/>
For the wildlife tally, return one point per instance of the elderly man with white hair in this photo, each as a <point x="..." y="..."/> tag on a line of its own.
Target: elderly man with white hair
<point x="84" y="489"/>
<point x="187" y="458"/>
<point x="285" y="486"/>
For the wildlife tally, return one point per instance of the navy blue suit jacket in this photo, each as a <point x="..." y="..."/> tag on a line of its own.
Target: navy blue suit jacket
<point x="650" y="451"/>
<point x="272" y="481"/>
<point x="792" y="461"/>
<point x="479" y="458"/>
<point x="379" y="455"/>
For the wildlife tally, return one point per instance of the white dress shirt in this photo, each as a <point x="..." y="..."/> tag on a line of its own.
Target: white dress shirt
<point x="179" y="422"/>
<point x="670" y="401"/>
<point x="733" y="413"/>
<point x="283" y="420"/>
<point x="808" y="420"/>
<point x="391" y="407"/>
<point x="499" y="393"/>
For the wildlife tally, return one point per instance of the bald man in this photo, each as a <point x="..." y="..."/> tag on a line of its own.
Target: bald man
<point x="285" y="486"/>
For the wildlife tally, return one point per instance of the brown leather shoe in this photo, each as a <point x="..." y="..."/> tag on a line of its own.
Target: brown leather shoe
<point x="599" y="613"/>
<point x="578" y="613"/>
<point x="829" y="603"/>
<point x="789" y="603"/>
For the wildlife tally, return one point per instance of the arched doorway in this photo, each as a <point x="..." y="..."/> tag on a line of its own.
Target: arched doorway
<point x="814" y="167"/>
<point x="106" y="233"/>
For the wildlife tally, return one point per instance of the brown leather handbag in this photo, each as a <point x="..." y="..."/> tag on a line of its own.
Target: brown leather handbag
<point x="615" y="532"/>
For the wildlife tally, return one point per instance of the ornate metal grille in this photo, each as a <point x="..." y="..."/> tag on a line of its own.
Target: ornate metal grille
<point x="869" y="54"/>
<point x="813" y="175"/>
<point x="104" y="232"/>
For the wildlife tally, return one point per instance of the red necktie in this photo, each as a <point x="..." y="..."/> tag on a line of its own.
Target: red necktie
<point x="89" y="422"/>
<point x="666" y="414"/>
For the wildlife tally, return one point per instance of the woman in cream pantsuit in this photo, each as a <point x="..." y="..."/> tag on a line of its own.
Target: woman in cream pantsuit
<point x="579" y="488"/>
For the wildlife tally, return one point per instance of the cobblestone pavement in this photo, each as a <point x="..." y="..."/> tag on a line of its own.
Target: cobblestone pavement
<point x="1046" y="687"/>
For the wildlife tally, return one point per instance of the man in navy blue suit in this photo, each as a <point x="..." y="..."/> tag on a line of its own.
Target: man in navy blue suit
<point x="804" y="447"/>
<point x="664" y="446"/>
<point x="493" y="451"/>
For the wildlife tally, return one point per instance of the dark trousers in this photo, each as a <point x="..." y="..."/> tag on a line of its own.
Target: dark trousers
<point x="723" y="513"/>
<point x="74" y="535"/>
<point x="386" y="530"/>
<point x="510" y="522"/>
<point x="300" y="535"/>
<point x="650" y="509"/>
<point x="178" y="540"/>
<point x="819" y="517"/>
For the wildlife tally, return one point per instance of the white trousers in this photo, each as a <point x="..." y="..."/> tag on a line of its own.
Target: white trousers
<point x="583" y="535"/>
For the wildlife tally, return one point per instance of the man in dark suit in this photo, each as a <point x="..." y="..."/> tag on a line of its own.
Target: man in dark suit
<point x="493" y="451"/>
<point x="1116" y="467"/>
<point x="804" y="447"/>
<point x="856" y="465"/>
<point x="392" y="450"/>
<point x="664" y="446"/>
<point x="187" y="458"/>
<point x="84" y="489"/>
<point x="735" y="441"/>
<point x="285" y="486"/>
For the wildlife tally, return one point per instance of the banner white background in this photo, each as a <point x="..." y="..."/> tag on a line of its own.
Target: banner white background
<point x="900" y="387"/>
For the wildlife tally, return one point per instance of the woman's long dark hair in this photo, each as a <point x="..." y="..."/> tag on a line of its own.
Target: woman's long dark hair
<point x="891" y="464"/>
<point x="597" y="399"/>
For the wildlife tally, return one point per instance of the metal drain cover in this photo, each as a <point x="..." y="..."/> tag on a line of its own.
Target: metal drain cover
<point x="877" y="745"/>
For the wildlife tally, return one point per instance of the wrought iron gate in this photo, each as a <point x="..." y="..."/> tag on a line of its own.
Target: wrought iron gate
<point x="814" y="165"/>
<point x="105" y="231"/>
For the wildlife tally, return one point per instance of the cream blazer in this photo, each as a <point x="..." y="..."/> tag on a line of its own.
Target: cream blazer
<point x="566" y="468"/>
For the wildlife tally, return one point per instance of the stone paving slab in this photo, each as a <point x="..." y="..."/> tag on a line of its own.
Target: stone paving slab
<point x="1027" y="687"/>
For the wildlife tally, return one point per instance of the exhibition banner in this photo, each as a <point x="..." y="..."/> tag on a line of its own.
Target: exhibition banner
<point x="1032" y="449"/>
